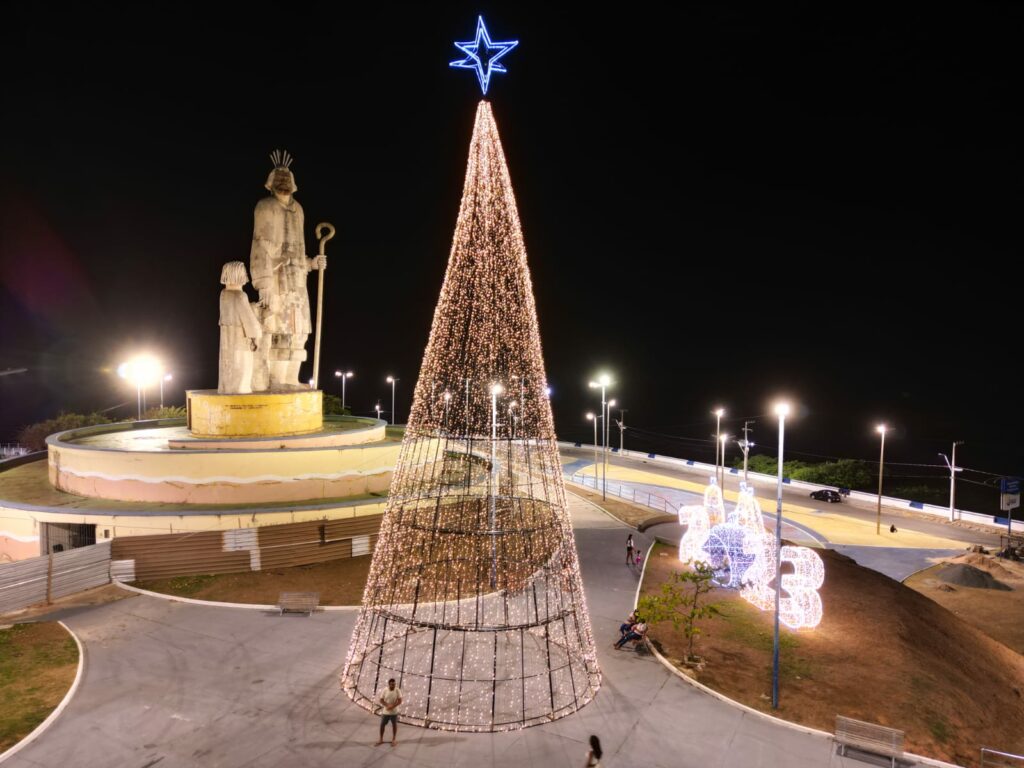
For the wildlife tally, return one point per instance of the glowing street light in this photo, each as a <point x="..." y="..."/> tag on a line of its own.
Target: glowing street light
<point x="603" y="381"/>
<point x="343" y="376"/>
<point x="782" y="411"/>
<point x="378" y="410"/>
<point x="142" y="371"/>
<point x="880" y="429"/>
<point x="719" y="413"/>
<point x="392" y="381"/>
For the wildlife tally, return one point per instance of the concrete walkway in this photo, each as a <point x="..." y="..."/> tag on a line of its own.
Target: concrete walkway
<point x="172" y="684"/>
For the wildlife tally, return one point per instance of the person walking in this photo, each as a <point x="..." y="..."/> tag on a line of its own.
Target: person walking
<point x="390" y="700"/>
<point x="594" y="755"/>
<point x="629" y="549"/>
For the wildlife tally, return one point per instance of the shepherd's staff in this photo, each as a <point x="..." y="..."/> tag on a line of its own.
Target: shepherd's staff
<point x="320" y="297"/>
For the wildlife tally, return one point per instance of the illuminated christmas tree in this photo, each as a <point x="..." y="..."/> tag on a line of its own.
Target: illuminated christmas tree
<point x="474" y="602"/>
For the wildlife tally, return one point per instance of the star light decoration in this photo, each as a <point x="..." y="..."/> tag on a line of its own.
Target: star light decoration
<point x="483" y="54"/>
<point x="742" y="555"/>
<point x="474" y="601"/>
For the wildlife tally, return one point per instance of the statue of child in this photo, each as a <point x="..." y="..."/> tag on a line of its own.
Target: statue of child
<point x="240" y="332"/>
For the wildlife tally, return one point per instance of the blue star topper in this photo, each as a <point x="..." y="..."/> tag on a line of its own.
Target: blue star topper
<point x="483" y="54"/>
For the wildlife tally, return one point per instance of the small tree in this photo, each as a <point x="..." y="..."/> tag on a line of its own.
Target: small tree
<point x="332" y="406"/>
<point x="34" y="436"/>
<point x="680" y="602"/>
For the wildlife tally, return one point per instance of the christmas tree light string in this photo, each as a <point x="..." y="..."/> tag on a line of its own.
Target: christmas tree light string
<point x="475" y="601"/>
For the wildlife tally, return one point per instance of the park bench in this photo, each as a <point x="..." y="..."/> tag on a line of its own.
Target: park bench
<point x="869" y="737"/>
<point x="640" y="644"/>
<point x="301" y="602"/>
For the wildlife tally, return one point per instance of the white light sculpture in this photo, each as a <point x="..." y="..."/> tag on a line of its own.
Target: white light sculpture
<point x="742" y="555"/>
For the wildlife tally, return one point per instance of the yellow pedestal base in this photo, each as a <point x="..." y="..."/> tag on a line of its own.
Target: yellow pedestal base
<point x="261" y="414"/>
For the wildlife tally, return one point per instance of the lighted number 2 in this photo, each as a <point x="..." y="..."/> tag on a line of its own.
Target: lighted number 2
<point x="698" y="521"/>
<point x="691" y="546"/>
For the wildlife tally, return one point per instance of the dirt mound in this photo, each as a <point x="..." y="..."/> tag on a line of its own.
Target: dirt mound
<point x="968" y="576"/>
<point x="882" y="653"/>
<point x="991" y="564"/>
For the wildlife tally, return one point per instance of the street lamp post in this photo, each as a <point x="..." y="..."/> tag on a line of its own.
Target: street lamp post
<point x="378" y="410"/>
<point x="604" y="381"/>
<point x="496" y="389"/>
<point x="608" y="427"/>
<point x="392" y="381"/>
<point x="880" y="429"/>
<point x="723" y="440"/>
<point x="164" y="378"/>
<point x="593" y="418"/>
<point x="781" y="410"/>
<point x="719" y="412"/>
<point x="745" y="446"/>
<point x="343" y="375"/>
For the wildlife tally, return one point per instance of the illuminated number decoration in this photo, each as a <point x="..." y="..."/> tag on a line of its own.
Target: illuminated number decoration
<point x="802" y="606"/>
<point x="482" y="54"/>
<point x="742" y="555"/>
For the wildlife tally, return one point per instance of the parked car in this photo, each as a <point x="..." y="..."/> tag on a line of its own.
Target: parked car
<point x="826" y="494"/>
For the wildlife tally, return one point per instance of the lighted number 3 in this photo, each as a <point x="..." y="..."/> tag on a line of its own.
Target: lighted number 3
<point x="802" y="606"/>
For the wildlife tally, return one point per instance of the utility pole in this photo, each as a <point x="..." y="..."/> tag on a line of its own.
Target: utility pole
<point x="745" y="446"/>
<point x="621" y="422"/>
<point x="953" y="469"/>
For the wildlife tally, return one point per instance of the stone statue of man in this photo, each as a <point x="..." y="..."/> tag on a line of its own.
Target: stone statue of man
<point x="240" y="332"/>
<point x="279" y="267"/>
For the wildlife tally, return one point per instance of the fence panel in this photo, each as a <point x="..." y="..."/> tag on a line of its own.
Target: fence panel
<point x="79" y="569"/>
<point x="49" y="577"/>
<point x="23" y="583"/>
<point x="245" y="549"/>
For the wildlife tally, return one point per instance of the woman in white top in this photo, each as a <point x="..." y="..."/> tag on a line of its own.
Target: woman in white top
<point x="594" y="755"/>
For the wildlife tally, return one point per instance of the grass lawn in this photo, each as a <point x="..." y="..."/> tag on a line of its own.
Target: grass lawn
<point x="37" y="666"/>
<point x="339" y="582"/>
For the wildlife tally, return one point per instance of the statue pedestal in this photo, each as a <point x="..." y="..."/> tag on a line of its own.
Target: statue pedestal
<point x="260" y="414"/>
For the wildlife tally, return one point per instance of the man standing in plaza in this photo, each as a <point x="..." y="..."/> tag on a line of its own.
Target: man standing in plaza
<point x="390" y="700"/>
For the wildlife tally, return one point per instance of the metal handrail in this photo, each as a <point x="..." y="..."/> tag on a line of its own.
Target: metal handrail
<point x="643" y="498"/>
<point x="992" y="758"/>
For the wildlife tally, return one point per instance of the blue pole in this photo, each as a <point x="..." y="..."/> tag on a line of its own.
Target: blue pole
<point x="778" y="567"/>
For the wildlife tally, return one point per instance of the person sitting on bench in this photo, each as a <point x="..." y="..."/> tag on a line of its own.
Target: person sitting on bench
<point x="628" y="623"/>
<point x="636" y="633"/>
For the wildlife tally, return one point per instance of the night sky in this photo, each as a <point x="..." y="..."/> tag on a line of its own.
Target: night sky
<point x="719" y="206"/>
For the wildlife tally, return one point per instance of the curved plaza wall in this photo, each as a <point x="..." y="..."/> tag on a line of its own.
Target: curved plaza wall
<point x="241" y="476"/>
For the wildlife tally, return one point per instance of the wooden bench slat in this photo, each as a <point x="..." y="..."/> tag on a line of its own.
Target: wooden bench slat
<point x="298" y="601"/>
<point x="869" y="737"/>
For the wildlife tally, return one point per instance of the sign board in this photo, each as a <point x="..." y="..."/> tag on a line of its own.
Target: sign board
<point x="1009" y="493"/>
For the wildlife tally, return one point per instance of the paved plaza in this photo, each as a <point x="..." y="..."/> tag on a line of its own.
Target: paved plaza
<point x="175" y="684"/>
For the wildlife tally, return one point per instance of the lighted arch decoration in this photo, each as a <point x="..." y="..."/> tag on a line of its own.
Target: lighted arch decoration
<point x="742" y="554"/>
